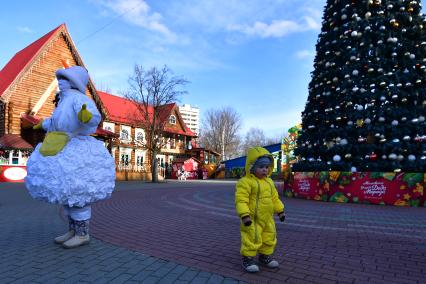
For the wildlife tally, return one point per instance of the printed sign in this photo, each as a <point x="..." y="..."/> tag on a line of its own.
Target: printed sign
<point x="401" y="189"/>
<point x="12" y="173"/>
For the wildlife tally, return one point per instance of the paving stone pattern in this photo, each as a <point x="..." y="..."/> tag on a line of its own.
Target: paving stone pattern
<point x="195" y="224"/>
<point x="28" y="254"/>
<point x="187" y="232"/>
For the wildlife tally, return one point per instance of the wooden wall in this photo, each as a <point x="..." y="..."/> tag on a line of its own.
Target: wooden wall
<point x="26" y="93"/>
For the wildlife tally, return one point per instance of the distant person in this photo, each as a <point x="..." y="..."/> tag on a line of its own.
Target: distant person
<point x="256" y="201"/>
<point x="71" y="167"/>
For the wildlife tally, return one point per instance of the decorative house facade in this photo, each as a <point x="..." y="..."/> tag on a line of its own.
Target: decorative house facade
<point x="27" y="89"/>
<point x="128" y="149"/>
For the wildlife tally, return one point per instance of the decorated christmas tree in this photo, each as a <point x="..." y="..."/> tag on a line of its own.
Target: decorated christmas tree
<point x="366" y="107"/>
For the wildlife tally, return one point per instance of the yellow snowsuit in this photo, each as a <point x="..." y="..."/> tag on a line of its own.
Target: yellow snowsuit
<point x="257" y="198"/>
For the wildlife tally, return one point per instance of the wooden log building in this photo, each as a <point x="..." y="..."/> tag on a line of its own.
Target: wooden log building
<point x="27" y="89"/>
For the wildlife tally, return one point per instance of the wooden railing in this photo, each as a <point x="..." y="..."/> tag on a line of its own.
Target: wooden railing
<point x="144" y="168"/>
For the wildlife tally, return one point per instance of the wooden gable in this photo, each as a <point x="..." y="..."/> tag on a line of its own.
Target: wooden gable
<point x="180" y="126"/>
<point x="31" y="89"/>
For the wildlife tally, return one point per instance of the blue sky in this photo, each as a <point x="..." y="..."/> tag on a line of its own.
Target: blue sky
<point x="253" y="55"/>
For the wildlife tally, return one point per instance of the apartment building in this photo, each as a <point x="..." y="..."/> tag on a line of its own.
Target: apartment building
<point x="191" y="117"/>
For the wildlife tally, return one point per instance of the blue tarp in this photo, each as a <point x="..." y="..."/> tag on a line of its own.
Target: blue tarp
<point x="240" y="162"/>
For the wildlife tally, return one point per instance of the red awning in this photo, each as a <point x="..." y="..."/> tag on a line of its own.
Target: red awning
<point x="30" y="121"/>
<point x="106" y="133"/>
<point x="14" y="141"/>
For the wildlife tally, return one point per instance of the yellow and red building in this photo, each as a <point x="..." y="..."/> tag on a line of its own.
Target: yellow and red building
<point x="27" y="90"/>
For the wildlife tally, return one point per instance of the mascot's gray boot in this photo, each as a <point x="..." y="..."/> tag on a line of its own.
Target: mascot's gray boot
<point x="68" y="235"/>
<point x="65" y="237"/>
<point x="76" y="241"/>
<point x="81" y="236"/>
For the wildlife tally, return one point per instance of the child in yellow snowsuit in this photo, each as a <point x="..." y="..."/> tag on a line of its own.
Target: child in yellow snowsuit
<point x="256" y="201"/>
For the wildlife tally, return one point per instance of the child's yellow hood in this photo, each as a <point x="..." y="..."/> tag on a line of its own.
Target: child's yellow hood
<point x="253" y="154"/>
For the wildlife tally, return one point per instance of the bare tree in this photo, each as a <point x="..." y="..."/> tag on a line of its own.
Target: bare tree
<point x="220" y="129"/>
<point x="275" y="139"/>
<point x="150" y="91"/>
<point x="253" y="137"/>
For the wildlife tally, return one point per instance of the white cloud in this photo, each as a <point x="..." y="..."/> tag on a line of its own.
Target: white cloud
<point x="276" y="29"/>
<point x="260" y="18"/>
<point x="139" y="13"/>
<point x="24" y="30"/>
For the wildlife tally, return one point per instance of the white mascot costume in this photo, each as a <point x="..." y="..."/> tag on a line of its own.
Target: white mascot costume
<point x="71" y="167"/>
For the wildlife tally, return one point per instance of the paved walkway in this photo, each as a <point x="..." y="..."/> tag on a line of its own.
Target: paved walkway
<point x="187" y="232"/>
<point x="28" y="254"/>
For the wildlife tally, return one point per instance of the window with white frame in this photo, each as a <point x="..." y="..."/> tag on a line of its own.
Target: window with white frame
<point x="108" y="126"/>
<point x="140" y="160"/>
<point x="172" y="119"/>
<point x="113" y="149"/>
<point x="125" y="134"/>
<point x="125" y="158"/>
<point x="139" y="135"/>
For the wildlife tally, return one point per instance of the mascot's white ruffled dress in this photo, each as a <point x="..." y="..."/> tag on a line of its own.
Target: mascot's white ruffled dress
<point x="71" y="167"/>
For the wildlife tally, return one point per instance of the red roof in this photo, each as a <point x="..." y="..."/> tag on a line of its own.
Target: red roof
<point x="21" y="59"/>
<point x="119" y="109"/>
<point x="32" y="120"/>
<point x="122" y="110"/>
<point x="14" y="141"/>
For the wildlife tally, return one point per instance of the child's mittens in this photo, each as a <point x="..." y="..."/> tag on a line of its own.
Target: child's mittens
<point x="246" y="220"/>
<point x="84" y="115"/>
<point x="281" y="216"/>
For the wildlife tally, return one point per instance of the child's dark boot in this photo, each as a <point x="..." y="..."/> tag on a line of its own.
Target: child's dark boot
<point x="249" y="264"/>
<point x="268" y="261"/>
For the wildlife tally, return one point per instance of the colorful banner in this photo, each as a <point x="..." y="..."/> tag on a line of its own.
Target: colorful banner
<point x="400" y="189"/>
<point x="11" y="173"/>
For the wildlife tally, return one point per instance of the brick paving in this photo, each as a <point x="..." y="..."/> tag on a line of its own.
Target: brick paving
<point x="28" y="254"/>
<point x="187" y="232"/>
